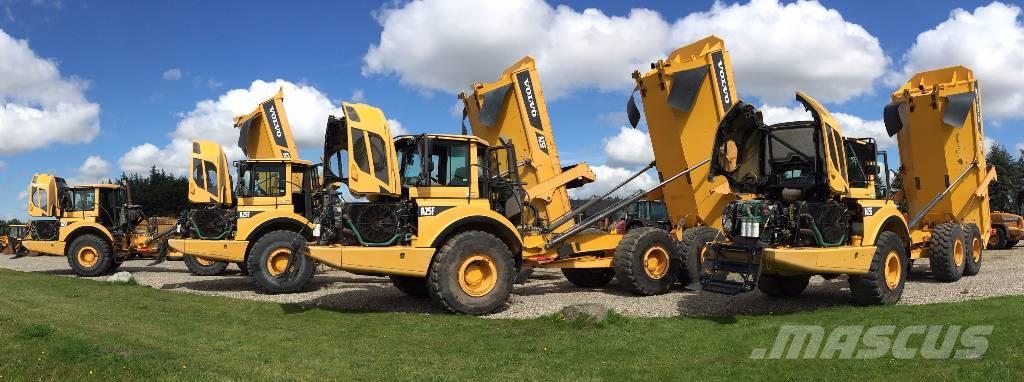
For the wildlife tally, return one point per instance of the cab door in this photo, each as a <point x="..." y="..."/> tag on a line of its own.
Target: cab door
<point x="831" y="145"/>
<point x="209" y="181"/>
<point x="372" y="164"/>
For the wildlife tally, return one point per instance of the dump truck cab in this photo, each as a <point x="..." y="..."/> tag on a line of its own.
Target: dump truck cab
<point x="95" y="225"/>
<point x="273" y="194"/>
<point x="815" y="208"/>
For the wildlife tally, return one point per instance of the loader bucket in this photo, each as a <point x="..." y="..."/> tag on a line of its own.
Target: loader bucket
<point x="685" y="96"/>
<point x="936" y="117"/>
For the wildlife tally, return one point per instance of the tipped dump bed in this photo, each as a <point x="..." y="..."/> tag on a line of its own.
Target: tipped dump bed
<point x="513" y="109"/>
<point x="684" y="98"/>
<point x="936" y="117"/>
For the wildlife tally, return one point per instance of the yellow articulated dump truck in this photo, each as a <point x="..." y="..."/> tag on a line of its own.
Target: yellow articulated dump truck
<point x="456" y="217"/>
<point x="268" y="207"/>
<point x="816" y="210"/>
<point x="95" y="226"/>
<point x="684" y="98"/>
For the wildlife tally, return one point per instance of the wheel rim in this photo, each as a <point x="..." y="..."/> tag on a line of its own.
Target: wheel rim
<point x="958" y="253"/>
<point x="976" y="250"/>
<point x="656" y="262"/>
<point x="88" y="257"/>
<point x="277" y="262"/>
<point x="478" y="275"/>
<point x="893" y="270"/>
<point x="204" y="262"/>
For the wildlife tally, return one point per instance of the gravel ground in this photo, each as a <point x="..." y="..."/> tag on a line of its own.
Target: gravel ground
<point x="548" y="292"/>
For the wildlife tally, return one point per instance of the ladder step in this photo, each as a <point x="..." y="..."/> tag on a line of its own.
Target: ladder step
<point x="725" y="287"/>
<point x="732" y="266"/>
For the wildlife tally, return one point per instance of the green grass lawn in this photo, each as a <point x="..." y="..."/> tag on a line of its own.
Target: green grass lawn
<point x="57" y="328"/>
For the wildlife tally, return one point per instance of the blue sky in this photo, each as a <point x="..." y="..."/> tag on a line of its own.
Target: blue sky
<point x="147" y="65"/>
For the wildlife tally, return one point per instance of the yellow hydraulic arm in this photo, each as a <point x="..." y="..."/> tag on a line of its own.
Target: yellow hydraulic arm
<point x="512" y="109"/>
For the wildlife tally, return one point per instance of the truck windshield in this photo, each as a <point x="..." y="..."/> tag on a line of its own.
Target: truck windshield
<point x="260" y="179"/>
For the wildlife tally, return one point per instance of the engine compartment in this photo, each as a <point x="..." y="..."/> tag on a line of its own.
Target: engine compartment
<point x="794" y="223"/>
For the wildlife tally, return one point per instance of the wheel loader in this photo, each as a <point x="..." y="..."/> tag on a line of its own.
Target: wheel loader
<point x="10" y="240"/>
<point x="457" y="217"/>
<point x="815" y="209"/>
<point x="271" y="202"/>
<point x="1007" y="230"/>
<point x="95" y="226"/>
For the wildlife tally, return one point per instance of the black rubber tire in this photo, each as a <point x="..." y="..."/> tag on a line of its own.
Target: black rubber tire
<point x="198" y="269"/>
<point x="1001" y="239"/>
<point x="946" y="237"/>
<point x="629" y="261"/>
<point x="870" y="288"/>
<point x="115" y="266"/>
<point x="243" y="268"/>
<point x="257" y="263"/>
<point x="1012" y="243"/>
<point x="443" y="278"/>
<point x="412" y="286"/>
<point x="782" y="286"/>
<point x="103" y="252"/>
<point x="589" y="277"/>
<point x="694" y="241"/>
<point x="973" y="265"/>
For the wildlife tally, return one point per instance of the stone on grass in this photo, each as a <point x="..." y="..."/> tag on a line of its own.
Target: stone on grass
<point x="589" y="311"/>
<point x="121" y="277"/>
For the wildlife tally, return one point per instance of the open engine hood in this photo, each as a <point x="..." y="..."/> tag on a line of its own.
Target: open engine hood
<point x="739" y="149"/>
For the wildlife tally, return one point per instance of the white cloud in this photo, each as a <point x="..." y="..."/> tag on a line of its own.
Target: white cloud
<point x="857" y="127"/>
<point x="172" y="74"/>
<point x="38" y="107"/>
<point x="357" y="96"/>
<point x="93" y="170"/>
<point x="608" y="177"/>
<point x="574" y="49"/>
<point x="780" y="114"/>
<point x="396" y="128"/>
<point x="990" y="41"/>
<point x="775" y="48"/>
<point x="306" y="108"/>
<point x="213" y="83"/>
<point x="778" y="48"/>
<point x="850" y="125"/>
<point x="628" y="148"/>
<point x="23" y="195"/>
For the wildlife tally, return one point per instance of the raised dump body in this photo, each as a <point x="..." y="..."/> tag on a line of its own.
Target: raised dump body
<point x="684" y="98"/>
<point x="265" y="133"/>
<point x="512" y="110"/>
<point x="936" y="117"/>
